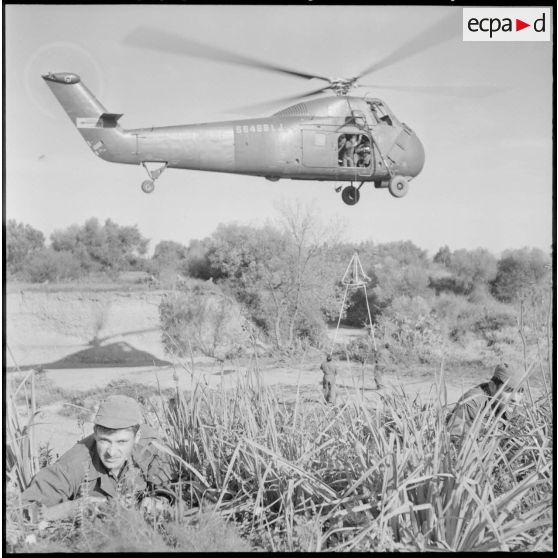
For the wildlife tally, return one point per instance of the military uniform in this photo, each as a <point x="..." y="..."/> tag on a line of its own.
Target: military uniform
<point x="80" y="472"/>
<point x="381" y="359"/>
<point x="475" y="401"/>
<point x="471" y="404"/>
<point x="328" y="382"/>
<point x="348" y="152"/>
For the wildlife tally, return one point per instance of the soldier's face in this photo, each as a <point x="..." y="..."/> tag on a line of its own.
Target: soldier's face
<point x="509" y="398"/>
<point x="115" y="447"/>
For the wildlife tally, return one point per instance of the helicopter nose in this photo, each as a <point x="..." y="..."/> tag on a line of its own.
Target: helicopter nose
<point x="414" y="156"/>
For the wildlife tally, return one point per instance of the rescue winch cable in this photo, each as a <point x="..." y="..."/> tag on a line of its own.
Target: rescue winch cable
<point x="354" y="277"/>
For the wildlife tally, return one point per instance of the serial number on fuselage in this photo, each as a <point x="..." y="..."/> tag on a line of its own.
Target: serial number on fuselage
<point x="253" y="128"/>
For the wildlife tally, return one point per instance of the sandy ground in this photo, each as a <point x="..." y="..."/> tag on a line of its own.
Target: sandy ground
<point x="49" y="329"/>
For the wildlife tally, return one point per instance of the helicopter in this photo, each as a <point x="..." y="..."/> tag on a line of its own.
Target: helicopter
<point x="341" y="138"/>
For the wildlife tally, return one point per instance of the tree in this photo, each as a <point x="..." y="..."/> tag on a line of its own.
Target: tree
<point x="520" y="273"/>
<point x="443" y="256"/>
<point x="248" y="262"/>
<point x="473" y="268"/>
<point x="281" y="274"/>
<point x="410" y="325"/>
<point x="198" y="264"/>
<point x="467" y="271"/>
<point x="110" y="247"/>
<point x="313" y="274"/>
<point x="22" y="241"/>
<point x="202" y="319"/>
<point x="52" y="265"/>
<point x="356" y="313"/>
<point x="169" y="257"/>
<point x="168" y="251"/>
<point x="401" y="269"/>
<point x="124" y="246"/>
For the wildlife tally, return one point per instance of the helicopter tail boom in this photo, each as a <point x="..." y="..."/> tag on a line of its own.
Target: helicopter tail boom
<point x="194" y="147"/>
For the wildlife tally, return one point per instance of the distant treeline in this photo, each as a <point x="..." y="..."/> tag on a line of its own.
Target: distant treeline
<point x="288" y="275"/>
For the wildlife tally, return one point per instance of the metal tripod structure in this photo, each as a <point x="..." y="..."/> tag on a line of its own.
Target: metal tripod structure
<point x="354" y="277"/>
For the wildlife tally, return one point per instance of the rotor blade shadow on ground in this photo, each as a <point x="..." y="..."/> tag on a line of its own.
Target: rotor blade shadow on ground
<point x="103" y="356"/>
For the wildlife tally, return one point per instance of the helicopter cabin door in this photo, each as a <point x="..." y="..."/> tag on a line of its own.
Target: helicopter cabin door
<point x="332" y="149"/>
<point x="355" y="155"/>
<point x="318" y="148"/>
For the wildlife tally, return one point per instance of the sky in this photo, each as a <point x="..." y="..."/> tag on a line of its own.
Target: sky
<point x="487" y="180"/>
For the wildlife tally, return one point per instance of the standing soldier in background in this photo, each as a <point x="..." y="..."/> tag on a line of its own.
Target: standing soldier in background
<point x="330" y="375"/>
<point x="380" y="363"/>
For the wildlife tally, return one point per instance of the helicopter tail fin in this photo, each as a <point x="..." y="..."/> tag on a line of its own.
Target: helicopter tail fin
<point x="99" y="128"/>
<point x="80" y="104"/>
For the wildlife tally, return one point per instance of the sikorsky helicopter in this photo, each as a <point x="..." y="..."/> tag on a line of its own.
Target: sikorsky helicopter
<point x="337" y="138"/>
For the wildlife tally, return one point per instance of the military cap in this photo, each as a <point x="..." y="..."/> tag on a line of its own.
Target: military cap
<point x="118" y="411"/>
<point x="509" y="376"/>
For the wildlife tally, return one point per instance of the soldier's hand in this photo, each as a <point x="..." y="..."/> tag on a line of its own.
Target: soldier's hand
<point x="65" y="510"/>
<point x="155" y="504"/>
<point x="92" y="501"/>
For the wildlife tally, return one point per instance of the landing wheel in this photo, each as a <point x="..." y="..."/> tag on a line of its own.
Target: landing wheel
<point x="148" y="186"/>
<point x="350" y="195"/>
<point x="398" y="186"/>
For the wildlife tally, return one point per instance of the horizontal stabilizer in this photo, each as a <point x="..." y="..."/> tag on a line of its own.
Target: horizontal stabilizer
<point x="105" y="120"/>
<point x="109" y="120"/>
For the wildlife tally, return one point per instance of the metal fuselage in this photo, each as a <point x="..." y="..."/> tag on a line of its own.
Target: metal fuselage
<point x="300" y="142"/>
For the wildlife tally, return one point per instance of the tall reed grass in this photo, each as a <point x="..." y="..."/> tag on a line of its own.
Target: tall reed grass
<point x="22" y="460"/>
<point x="306" y="476"/>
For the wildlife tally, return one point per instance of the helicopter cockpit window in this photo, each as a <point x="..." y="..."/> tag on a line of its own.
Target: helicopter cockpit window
<point x="354" y="150"/>
<point x="358" y="118"/>
<point x="380" y="114"/>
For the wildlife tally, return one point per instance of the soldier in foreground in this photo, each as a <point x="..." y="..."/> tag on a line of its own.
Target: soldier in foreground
<point x="118" y="460"/>
<point x="500" y="392"/>
<point x="330" y="374"/>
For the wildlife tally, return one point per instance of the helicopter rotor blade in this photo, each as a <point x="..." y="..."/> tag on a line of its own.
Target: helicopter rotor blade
<point x="155" y="39"/>
<point x="282" y="100"/>
<point x="475" y="91"/>
<point x="441" y="31"/>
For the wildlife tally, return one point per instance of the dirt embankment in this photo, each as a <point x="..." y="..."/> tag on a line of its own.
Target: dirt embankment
<point x="45" y="327"/>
